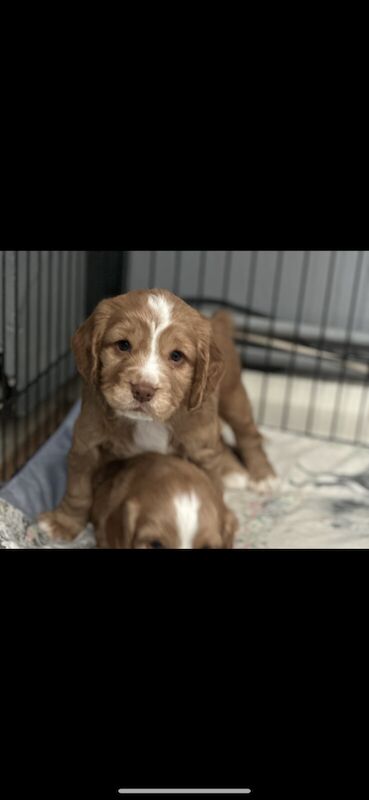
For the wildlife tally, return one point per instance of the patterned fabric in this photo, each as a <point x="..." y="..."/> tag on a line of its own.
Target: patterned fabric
<point x="322" y="502"/>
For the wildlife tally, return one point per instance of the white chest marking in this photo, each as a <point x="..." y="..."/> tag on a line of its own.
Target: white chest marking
<point x="151" y="436"/>
<point x="151" y="367"/>
<point x="187" y="518"/>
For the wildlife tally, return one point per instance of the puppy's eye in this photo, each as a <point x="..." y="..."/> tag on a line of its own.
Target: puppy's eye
<point x="156" y="545"/>
<point x="124" y="344"/>
<point x="176" y="356"/>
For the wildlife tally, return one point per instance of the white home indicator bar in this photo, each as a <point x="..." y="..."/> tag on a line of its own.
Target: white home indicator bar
<point x="184" y="791"/>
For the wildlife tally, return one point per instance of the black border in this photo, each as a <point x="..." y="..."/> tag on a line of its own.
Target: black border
<point x="221" y="668"/>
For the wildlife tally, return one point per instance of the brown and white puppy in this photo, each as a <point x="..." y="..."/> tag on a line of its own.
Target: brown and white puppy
<point x="157" y="501"/>
<point x="157" y="374"/>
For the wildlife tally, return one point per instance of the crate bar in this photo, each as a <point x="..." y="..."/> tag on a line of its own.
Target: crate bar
<point x="3" y="441"/>
<point x="272" y="316"/>
<point x="349" y="327"/>
<point x="38" y="346"/>
<point x="58" y="319"/>
<point x="247" y="310"/>
<point x="227" y="275"/>
<point x="69" y="299"/>
<point x="49" y="374"/>
<point x="309" y="426"/>
<point x="201" y="276"/>
<point x="27" y="325"/>
<point x="152" y="270"/>
<point x="16" y="361"/>
<point x="177" y="271"/>
<point x="291" y="368"/>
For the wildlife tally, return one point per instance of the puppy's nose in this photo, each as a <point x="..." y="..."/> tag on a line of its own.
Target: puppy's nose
<point x="143" y="392"/>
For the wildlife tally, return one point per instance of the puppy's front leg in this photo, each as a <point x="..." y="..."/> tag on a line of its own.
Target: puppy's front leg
<point x="72" y="514"/>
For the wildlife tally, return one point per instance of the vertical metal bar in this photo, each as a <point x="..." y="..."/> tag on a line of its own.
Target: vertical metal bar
<point x="201" y="276"/>
<point x="126" y="271"/>
<point x="177" y="271"/>
<point x="273" y="314"/>
<point x="250" y="297"/>
<point x="82" y="287"/>
<point x="4" y="387"/>
<point x="227" y="275"/>
<point x="38" y="350"/>
<point x="62" y="332"/>
<point x="296" y="333"/>
<point x="248" y="305"/>
<point x="350" y="322"/>
<point x="322" y="337"/>
<point x="361" y="412"/>
<point x="81" y="300"/>
<point x="152" y="270"/>
<point x="16" y="394"/>
<point x="50" y="376"/>
<point x="72" y="311"/>
<point x="28" y="351"/>
<point x="68" y="294"/>
<point x="58" y="338"/>
<point x="77" y="319"/>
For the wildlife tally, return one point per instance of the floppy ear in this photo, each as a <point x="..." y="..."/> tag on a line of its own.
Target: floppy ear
<point x="119" y="527"/>
<point x="230" y="526"/>
<point x="84" y="352"/>
<point x="209" y="369"/>
<point x="86" y="342"/>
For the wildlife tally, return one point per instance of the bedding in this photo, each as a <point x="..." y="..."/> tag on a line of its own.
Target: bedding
<point x="322" y="500"/>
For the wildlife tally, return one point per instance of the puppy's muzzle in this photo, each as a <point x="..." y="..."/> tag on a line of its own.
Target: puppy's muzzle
<point x="143" y="392"/>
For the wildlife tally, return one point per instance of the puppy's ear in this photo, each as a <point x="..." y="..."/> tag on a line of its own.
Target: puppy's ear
<point x="230" y="526"/>
<point x="84" y="351"/>
<point x="119" y="528"/>
<point x="86" y="342"/>
<point x="209" y="369"/>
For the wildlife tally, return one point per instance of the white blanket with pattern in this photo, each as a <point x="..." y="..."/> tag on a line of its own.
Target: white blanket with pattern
<point x="322" y="501"/>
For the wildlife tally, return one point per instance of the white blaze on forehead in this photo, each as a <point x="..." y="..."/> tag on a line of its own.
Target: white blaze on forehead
<point x="187" y="518"/>
<point x="162" y="318"/>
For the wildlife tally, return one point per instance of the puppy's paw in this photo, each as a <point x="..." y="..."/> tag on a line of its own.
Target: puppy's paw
<point x="235" y="480"/>
<point x="268" y="485"/>
<point x="57" y="525"/>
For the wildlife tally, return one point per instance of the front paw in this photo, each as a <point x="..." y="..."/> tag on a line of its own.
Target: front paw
<point x="58" y="525"/>
<point x="264" y="481"/>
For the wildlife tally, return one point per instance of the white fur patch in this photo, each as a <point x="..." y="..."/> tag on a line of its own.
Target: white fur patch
<point x="134" y="415"/>
<point x="187" y="516"/>
<point x="235" y="480"/>
<point x="151" y="368"/>
<point x="266" y="486"/>
<point x="45" y="528"/>
<point x="151" y="436"/>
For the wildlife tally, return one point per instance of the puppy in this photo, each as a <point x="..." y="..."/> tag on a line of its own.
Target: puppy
<point x="155" y="501"/>
<point x="157" y="375"/>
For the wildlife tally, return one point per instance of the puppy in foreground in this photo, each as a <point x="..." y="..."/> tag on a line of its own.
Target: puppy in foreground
<point x="156" y="501"/>
<point x="158" y="376"/>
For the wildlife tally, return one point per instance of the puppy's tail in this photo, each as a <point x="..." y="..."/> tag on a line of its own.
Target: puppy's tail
<point x="223" y="323"/>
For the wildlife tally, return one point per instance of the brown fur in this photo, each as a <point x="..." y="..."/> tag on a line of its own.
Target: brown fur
<point x="133" y="505"/>
<point x="188" y="401"/>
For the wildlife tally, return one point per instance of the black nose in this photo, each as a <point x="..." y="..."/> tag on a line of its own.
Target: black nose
<point x="143" y="392"/>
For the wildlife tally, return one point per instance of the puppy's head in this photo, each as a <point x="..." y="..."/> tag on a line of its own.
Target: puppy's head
<point x="172" y="505"/>
<point x="149" y="353"/>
